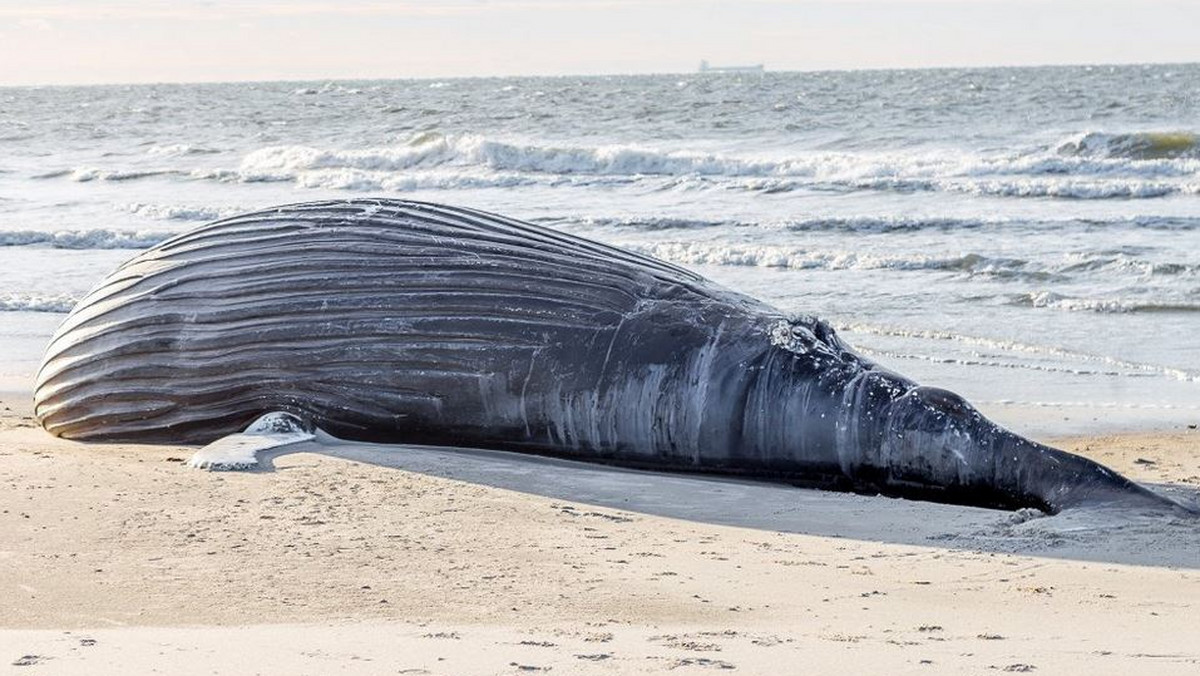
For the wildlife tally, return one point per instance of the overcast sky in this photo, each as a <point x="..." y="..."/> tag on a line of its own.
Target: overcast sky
<point x="47" y="41"/>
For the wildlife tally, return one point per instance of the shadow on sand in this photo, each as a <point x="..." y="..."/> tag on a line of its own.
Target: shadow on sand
<point x="1101" y="535"/>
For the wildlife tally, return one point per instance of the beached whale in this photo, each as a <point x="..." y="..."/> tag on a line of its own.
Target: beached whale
<point x="407" y="322"/>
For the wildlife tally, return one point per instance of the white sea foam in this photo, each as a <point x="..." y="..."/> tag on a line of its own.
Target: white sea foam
<point x="1051" y="299"/>
<point x="359" y="180"/>
<point x="1009" y="186"/>
<point x="86" y="174"/>
<point x="1116" y="188"/>
<point x="180" y="150"/>
<point x="100" y="238"/>
<point x="779" y="256"/>
<point x="20" y="302"/>
<point x="177" y="212"/>
<point x="639" y="223"/>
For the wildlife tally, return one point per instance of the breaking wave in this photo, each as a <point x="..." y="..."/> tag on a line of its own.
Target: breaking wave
<point x="431" y="149"/>
<point x="1134" y="146"/>
<point x="438" y="161"/>
<point x="1077" y="169"/>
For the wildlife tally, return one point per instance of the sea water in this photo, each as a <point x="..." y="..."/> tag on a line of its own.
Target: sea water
<point x="1028" y="237"/>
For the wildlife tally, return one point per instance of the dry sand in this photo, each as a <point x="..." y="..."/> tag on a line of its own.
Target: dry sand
<point x="120" y="559"/>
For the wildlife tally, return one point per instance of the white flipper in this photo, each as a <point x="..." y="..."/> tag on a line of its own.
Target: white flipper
<point x="240" y="451"/>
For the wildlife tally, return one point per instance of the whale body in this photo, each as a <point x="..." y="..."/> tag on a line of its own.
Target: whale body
<point x="407" y="322"/>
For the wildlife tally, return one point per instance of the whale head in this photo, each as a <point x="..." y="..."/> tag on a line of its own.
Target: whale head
<point x="930" y="443"/>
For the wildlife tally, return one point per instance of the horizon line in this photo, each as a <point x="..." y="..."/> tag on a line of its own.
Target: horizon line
<point x="766" y="71"/>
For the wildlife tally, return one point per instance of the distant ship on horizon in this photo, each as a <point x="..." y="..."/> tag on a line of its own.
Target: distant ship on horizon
<point x="706" y="68"/>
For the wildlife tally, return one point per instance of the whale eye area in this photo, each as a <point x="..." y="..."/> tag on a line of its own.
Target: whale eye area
<point x="825" y="333"/>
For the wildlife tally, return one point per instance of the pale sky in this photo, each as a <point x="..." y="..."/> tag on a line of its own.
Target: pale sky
<point x="59" y="42"/>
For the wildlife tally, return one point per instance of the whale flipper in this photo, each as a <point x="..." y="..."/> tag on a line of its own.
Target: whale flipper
<point x="240" y="450"/>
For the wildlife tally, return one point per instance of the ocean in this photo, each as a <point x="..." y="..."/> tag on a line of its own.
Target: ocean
<point x="1027" y="237"/>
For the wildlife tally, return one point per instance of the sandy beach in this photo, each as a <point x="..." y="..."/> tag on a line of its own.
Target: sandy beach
<point x="845" y="244"/>
<point x="121" y="559"/>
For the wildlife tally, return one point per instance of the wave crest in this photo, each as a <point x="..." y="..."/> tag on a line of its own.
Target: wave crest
<point x="428" y="150"/>
<point x="1051" y="299"/>
<point x="1146" y="145"/>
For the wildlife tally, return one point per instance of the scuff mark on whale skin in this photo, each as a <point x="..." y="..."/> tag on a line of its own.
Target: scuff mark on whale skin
<point x="400" y="321"/>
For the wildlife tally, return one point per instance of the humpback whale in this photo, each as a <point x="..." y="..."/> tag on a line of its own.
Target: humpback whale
<point x="399" y="321"/>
